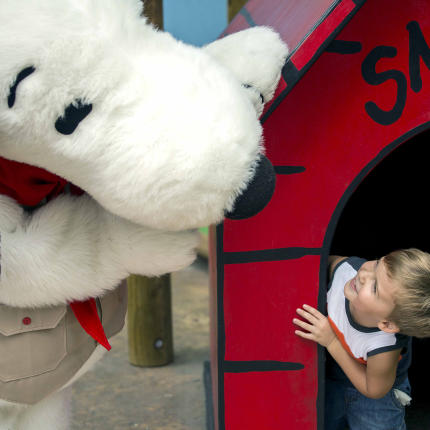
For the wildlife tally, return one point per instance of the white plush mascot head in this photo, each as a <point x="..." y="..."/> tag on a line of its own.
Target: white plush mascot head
<point x="160" y="138"/>
<point x="158" y="132"/>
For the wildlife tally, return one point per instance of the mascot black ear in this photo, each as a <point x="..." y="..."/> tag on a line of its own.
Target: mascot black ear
<point x="73" y="115"/>
<point x="12" y="90"/>
<point x="258" y="193"/>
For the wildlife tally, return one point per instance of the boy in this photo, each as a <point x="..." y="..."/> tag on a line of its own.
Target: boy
<point x="369" y="304"/>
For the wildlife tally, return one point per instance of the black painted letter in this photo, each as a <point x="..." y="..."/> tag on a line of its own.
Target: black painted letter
<point x="373" y="78"/>
<point x="418" y="49"/>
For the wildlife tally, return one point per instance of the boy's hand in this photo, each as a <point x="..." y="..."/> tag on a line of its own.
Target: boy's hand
<point x="317" y="326"/>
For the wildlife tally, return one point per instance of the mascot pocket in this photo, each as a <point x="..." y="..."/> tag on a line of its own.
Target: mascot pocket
<point x="32" y="341"/>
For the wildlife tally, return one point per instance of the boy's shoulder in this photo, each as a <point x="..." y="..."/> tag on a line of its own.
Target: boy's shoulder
<point x="336" y="261"/>
<point x="389" y="342"/>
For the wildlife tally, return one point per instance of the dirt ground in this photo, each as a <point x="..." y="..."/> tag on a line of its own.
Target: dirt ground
<point x="116" y="395"/>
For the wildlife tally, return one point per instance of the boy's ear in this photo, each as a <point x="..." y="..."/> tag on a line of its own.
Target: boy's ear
<point x="388" y="326"/>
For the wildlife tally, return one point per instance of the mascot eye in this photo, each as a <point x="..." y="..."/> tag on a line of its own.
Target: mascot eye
<point x="73" y="115"/>
<point x="12" y="90"/>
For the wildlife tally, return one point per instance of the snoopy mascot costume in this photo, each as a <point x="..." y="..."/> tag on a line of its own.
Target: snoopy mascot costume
<point x="116" y="142"/>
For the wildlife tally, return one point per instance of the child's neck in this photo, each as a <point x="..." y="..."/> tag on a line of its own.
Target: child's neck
<point x="361" y="319"/>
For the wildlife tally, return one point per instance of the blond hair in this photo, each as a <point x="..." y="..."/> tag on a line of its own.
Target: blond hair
<point x="411" y="269"/>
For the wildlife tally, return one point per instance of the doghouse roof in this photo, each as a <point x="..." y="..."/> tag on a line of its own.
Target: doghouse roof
<point x="307" y="26"/>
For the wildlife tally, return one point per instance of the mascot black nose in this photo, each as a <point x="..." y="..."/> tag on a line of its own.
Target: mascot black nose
<point x="258" y="193"/>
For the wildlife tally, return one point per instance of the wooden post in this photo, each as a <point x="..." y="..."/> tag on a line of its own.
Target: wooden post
<point x="234" y="7"/>
<point x="150" y="338"/>
<point x="153" y="10"/>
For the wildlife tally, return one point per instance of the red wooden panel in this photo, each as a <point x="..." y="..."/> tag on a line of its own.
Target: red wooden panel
<point x="293" y="19"/>
<point x="262" y="400"/>
<point x="322" y="125"/>
<point x="239" y="23"/>
<point x="259" y="304"/>
<point x="213" y="308"/>
<point x="282" y="85"/>
<point x="293" y="193"/>
<point x="310" y="46"/>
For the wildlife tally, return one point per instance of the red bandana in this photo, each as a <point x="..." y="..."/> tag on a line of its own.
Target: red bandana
<point x="29" y="186"/>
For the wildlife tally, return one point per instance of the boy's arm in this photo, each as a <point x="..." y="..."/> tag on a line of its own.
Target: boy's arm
<point x="373" y="380"/>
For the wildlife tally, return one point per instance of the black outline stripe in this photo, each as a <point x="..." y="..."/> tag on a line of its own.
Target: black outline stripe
<point x="328" y="238"/>
<point x="344" y="47"/>
<point x="322" y="18"/>
<point x="248" y="17"/>
<point x="290" y="73"/>
<point x="231" y="366"/>
<point x="220" y="323"/>
<point x="359" y="178"/>
<point x="275" y="254"/>
<point x="291" y="80"/>
<point x="291" y="76"/>
<point x="288" y="170"/>
<point x="260" y="366"/>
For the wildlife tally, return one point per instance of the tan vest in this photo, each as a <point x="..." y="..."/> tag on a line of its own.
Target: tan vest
<point x="42" y="349"/>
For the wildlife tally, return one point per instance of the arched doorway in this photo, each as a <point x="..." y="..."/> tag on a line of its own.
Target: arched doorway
<point x="389" y="210"/>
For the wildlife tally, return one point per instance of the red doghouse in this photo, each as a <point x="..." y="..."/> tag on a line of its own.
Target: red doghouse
<point x="347" y="135"/>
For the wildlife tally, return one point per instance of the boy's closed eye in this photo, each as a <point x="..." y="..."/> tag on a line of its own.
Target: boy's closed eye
<point x="375" y="286"/>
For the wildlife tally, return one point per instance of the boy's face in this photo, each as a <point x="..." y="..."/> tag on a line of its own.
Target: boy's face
<point x="371" y="294"/>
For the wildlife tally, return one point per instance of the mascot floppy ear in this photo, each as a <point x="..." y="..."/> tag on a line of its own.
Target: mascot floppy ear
<point x="255" y="58"/>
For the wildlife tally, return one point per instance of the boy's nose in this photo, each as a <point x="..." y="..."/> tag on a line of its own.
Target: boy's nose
<point x="364" y="275"/>
<point x="363" y="272"/>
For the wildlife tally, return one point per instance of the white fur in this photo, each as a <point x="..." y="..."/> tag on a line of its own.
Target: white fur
<point x="162" y="110"/>
<point x="52" y="413"/>
<point x="72" y="249"/>
<point x="268" y="55"/>
<point x="170" y="143"/>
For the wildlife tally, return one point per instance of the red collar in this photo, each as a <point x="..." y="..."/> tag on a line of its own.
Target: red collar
<point x="29" y="186"/>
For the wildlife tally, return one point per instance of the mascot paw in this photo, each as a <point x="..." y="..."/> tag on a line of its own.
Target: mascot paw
<point x="152" y="252"/>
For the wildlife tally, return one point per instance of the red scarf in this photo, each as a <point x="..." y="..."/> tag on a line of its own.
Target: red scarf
<point x="29" y="186"/>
